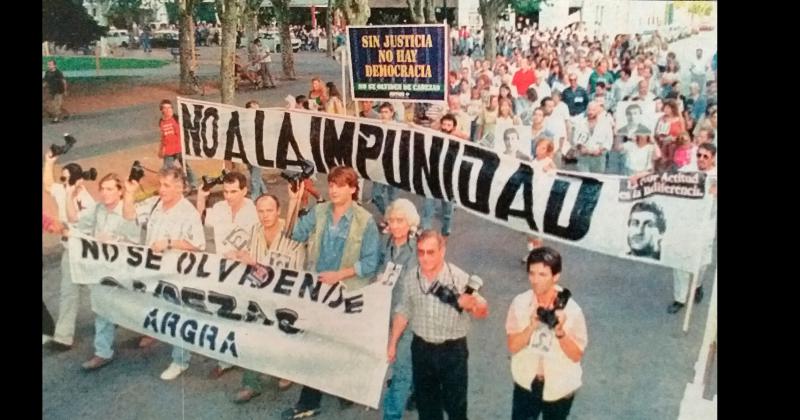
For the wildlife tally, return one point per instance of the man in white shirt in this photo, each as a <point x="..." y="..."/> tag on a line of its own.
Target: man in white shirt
<point x="71" y="188"/>
<point x="546" y="335"/>
<point x="594" y="137"/>
<point x="172" y="223"/>
<point x="706" y="163"/>
<point x="699" y="68"/>
<point x="556" y="124"/>
<point x="584" y="73"/>
<point x="231" y="220"/>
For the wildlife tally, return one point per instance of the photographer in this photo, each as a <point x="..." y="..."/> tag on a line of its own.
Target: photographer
<point x="69" y="189"/>
<point x="343" y="247"/>
<point x="437" y="303"/>
<point x="547" y="338"/>
<point x="105" y="223"/>
<point x="235" y="212"/>
<point x="172" y="223"/>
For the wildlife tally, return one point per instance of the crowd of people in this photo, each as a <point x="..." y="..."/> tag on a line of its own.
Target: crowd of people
<point x="550" y="97"/>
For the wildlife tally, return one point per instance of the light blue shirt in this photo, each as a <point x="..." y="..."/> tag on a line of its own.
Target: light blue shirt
<point x="334" y="237"/>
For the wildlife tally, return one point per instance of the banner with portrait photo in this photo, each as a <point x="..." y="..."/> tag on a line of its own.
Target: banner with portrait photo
<point x="581" y="209"/>
<point x="634" y="116"/>
<point x="278" y="321"/>
<point x="513" y="140"/>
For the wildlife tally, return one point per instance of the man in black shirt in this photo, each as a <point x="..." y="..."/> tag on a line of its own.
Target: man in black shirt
<point x="56" y="90"/>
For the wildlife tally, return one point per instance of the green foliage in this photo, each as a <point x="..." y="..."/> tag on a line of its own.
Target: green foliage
<point x="68" y="24"/>
<point x="88" y="63"/>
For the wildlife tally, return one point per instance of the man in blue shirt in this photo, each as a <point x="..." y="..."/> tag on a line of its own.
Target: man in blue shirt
<point x="576" y="97"/>
<point x="343" y="246"/>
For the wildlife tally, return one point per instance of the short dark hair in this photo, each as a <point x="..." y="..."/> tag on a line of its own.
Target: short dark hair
<point x="164" y="102"/>
<point x="547" y="256"/>
<point x="630" y="108"/>
<point x="386" y="105"/>
<point x="651" y="207"/>
<point x="251" y="104"/>
<point x="449" y="117"/>
<point x="544" y="101"/>
<point x="232" y="177"/>
<point x="709" y="146"/>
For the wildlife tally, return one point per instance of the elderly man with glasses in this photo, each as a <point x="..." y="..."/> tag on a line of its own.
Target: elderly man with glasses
<point x="576" y="97"/>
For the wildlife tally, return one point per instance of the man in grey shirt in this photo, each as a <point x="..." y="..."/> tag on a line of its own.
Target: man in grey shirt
<point x="437" y="303"/>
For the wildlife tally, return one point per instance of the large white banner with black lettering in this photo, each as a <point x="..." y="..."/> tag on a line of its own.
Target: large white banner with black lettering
<point x="281" y="322"/>
<point x="655" y="221"/>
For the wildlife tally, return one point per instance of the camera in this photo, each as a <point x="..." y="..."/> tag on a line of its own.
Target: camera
<point x="295" y="178"/>
<point x="89" y="175"/>
<point x="69" y="141"/>
<point x="548" y="316"/>
<point x="450" y="296"/>
<point x="446" y="295"/>
<point x="209" y="183"/>
<point x="137" y="171"/>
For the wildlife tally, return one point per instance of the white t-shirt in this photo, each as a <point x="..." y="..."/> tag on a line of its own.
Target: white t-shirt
<point x="639" y="159"/>
<point x="224" y="223"/>
<point x="181" y="222"/>
<point x="583" y="77"/>
<point x="84" y="201"/>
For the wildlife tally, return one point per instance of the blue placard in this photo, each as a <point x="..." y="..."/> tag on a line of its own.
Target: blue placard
<point x="406" y="62"/>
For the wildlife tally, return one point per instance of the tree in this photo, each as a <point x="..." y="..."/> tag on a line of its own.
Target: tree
<point x="229" y="12"/>
<point x="67" y="24"/>
<point x="186" y="36"/>
<point x="422" y="11"/>
<point x="490" y="11"/>
<point x="123" y="13"/>
<point x="250" y="18"/>
<point x="287" y="55"/>
<point x="701" y="8"/>
<point x="356" y="12"/>
<point x="527" y="7"/>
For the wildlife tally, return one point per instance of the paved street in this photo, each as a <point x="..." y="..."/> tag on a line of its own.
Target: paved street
<point x="636" y="366"/>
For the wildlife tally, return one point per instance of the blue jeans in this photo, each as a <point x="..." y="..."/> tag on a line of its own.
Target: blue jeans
<point x="593" y="164"/>
<point x="382" y="196"/>
<point x="180" y="356"/>
<point x="169" y="161"/>
<point x="257" y="186"/>
<point x="394" y="401"/>
<point x="616" y="163"/>
<point x="428" y="210"/>
<point x="103" y="337"/>
<point x="146" y="45"/>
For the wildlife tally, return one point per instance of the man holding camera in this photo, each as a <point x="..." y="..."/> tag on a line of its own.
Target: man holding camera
<point x="438" y="302"/>
<point x="343" y="246"/>
<point x="172" y="223"/>
<point x="56" y="85"/>
<point x="69" y="189"/>
<point x="546" y="333"/>
<point x="105" y="223"/>
<point x="230" y="219"/>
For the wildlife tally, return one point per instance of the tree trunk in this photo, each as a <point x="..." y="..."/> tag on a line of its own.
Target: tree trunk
<point x="229" y="17"/>
<point x="328" y="24"/>
<point x="186" y="37"/>
<point x="415" y="9"/>
<point x="430" y="11"/>
<point x="356" y="12"/>
<point x="490" y="14"/>
<point x="287" y="53"/>
<point x="281" y="8"/>
<point x="489" y="42"/>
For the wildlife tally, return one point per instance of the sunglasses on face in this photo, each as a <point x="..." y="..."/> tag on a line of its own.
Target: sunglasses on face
<point x="703" y="156"/>
<point x="429" y="252"/>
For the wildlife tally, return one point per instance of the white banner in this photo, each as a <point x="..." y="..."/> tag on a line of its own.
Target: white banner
<point x="586" y="210"/>
<point x="281" y="322"/>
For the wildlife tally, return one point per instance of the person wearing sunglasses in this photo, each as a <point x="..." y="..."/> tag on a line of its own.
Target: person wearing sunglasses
<point x="706" y="162"/>
<point x="437" y="303"/>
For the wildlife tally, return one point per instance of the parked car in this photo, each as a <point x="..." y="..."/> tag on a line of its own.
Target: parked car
<point x="118" y="38"/>
<point x="165" y="38"/>
<point x="272" y="40"/>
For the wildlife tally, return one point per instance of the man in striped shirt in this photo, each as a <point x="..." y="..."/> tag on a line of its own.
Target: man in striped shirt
<point x="437" y="303"/>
